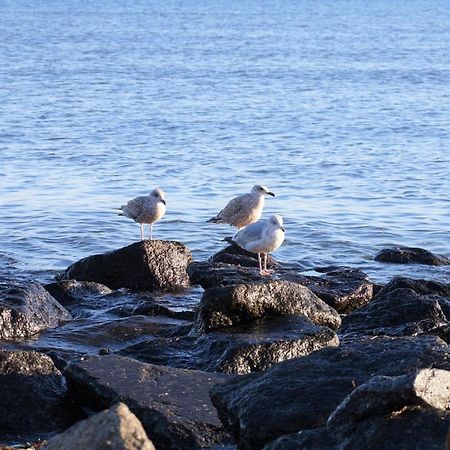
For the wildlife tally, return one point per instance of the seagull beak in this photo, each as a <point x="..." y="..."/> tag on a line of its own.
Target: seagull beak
<point x="163" y="201"/>
<point x="271" y="194"/>
<point x="283" y="229"/>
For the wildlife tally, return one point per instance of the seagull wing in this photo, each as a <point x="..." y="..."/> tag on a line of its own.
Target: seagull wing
<point x="251" y="233"/>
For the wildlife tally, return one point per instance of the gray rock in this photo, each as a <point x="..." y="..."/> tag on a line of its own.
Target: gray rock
<point x="242" y="303"/>
<point x="172" y="404"/>
<point x="244" y="349"/>
<point x="411" y="255"/>
<point x="27" y="309"/>
<point x="73" y="291"/>
<point x="32" y="393"/>
<point x="116" y="428"/>
<point x="301" y="393"/>
<point x="403" y="412"/>
<point x="144" y="265"/>
<point x="423" y="287"/>
<point x="400" y="312"/>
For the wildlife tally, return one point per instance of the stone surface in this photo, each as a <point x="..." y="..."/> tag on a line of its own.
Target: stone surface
<point x="400" y="312"/>
<point x="144" y="265"/>
<point x="172" y="404"/>
<point x="248" y="348"/>
<point x="411" y="255"/>
<point x="410" y="410"/>
<point x="32" y="393"/>
<point x="242" y="303"/>
<point x="301" y="393"/>
<point x="423" y="287"/>
<point x="72" y="291"/>
<point x="27" y="309"/>
<point x="116" y="428"/>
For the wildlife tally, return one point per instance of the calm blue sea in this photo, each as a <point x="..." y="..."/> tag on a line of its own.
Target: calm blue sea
<point x="340" y="107"/>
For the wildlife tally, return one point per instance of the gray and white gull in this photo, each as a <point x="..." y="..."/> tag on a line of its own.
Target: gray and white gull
<point x="262" y="237"/>
<point x="146" y="209"/>
<point x="245" y="209"/>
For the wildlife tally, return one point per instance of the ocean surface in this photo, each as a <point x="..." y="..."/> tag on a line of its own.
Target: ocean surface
<point x="339" y="107"/>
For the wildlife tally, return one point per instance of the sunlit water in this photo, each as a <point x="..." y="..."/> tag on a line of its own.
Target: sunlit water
<point x="340" y="107"/>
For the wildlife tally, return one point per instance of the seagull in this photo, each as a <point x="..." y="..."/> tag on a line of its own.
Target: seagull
<point x="264" y="236"/>
<point x="146" y="209"/>
<point x="245" y="209"/>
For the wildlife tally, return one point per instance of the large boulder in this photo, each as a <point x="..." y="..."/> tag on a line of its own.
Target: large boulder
<point x="301" y="393"/>
<point x="26" y="309"/>
<point x="411" y="255"/>
<point x="172" y="404"/>
<point x="400" y="312"/>
<point x="32" y="393"/>
<point x="240" y="349"/>
<point x="242" y="303"/>
<point x="116" y="428"/>
<point x="403" y="412"/>
<point x="144" y="265"/>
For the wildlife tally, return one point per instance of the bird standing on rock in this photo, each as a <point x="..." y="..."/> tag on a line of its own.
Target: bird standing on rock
<point x="146" y="209"/>
<point x="262" y="237"/>
<point x="245" y="209"/>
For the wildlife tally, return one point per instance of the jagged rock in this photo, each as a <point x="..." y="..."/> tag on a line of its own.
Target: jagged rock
<point x="423" y="287"/>
<point x="116" y="428"/>
<point x="230" y="305"/>
<point x="32" y="393"/>
<point x="172" y="404"/>
<point x="410" y="410"/>
<point x="248" y="348"/>
<point x="27" y="309"/>
<point x="233" y="254"/>
<point x="72" y="291"/>
<point x="342" y="288"/>
<point x="144" y="265"/>
<point x="301" y="393"/>
<point x="400" y="312"/>
<point x="411" y="255"/>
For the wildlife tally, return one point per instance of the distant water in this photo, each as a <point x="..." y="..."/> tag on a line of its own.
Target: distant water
<point x="340" y="107"/>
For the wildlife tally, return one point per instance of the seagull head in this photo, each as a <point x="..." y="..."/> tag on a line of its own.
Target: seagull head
<point x="276" y="222"/>
<point x="159" y="195"/>
<point x="262" y="190"/>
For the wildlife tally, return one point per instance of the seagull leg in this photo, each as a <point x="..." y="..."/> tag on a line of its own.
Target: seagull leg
<point x="142" y="231"/>
<point x="265" y="271"/>
<point x="260" y="265"/>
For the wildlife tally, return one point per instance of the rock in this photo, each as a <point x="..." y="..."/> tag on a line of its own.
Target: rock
<point x="144" y="265"/>
<point x="401" y="312"/>
<point x="116" y="428"/>
<point x="248" y="348"/>
<point x="233" y="254"/>
<point x="32" y="392"/>
<point x="73" y="291"/>
<point x="410" y="410"/>
<point x="27" y="309"/>
<point x="423" y="287"/>
<point x="301" y="393"/>
<point x="242" y="303"/>
<point x="342" y="288"/>
<point x="172" y="404"/>
<point x="411" y="255"/>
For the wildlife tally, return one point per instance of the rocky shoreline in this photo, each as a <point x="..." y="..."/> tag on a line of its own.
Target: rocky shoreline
<point x="287" y="361"/>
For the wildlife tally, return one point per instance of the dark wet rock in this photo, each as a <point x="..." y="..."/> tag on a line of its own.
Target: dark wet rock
<point x="423" y="287"/>
<point x="233" y="254"/>
<point x="116" y="428"/>
<point x="32" y="393"/>
<point x="301" y="393"/>
<point x="342" y="288"/>
<point x="172" y="404"/>
<point x="410" y="410"/>
<point x="400" y="312"/>
<point x="411" y="255"/>
<point x="26" y="309"/>
<point x="144" y="265"/>
<point x="72" y="291"/>
<point x="248" y="348"/>
<point x="242" y="303"/>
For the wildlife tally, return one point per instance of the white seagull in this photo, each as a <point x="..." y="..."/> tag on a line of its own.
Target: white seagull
<point x="264" y="236"/>
<point x="146" y="209"/>
<point x="245" y="209"/>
